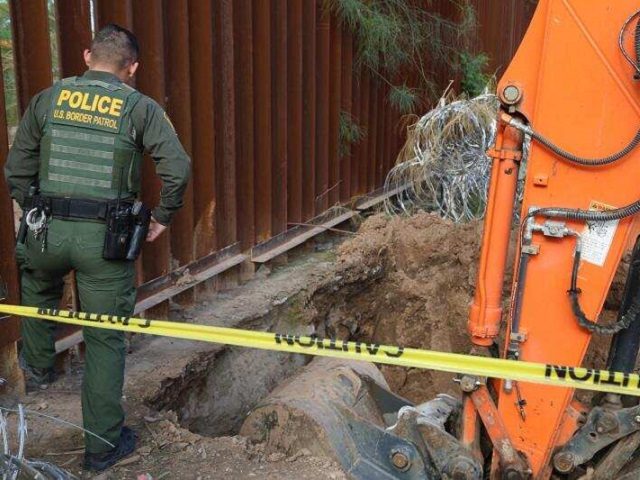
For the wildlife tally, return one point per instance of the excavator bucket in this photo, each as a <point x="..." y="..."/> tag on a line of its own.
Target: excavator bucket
<point x="345" y="410"/>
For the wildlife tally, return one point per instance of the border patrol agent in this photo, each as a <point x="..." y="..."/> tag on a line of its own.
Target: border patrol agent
<point x="81" y="141"/>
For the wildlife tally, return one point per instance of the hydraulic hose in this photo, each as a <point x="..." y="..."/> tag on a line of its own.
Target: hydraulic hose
<point x="588" y="215"/>
<point x="636" y="44"/>
<point x="583" y="321"/>
<point x="587" y="162"/>
<point x="635" y="64"/>
<point x="598" y="161"/>
<point x="568" y="156"/>
<point x="574" y="291"/>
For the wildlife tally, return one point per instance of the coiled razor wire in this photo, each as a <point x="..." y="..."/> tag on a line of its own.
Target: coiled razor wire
<point x="13" y="467"/>
<point x="443" y="166"/>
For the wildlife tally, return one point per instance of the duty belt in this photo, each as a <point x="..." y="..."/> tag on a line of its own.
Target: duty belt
<point x="82" y="209"/>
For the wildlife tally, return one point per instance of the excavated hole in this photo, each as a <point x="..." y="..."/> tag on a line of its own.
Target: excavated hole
<point x="401" y="281"/>
<point x="218" y="389"/>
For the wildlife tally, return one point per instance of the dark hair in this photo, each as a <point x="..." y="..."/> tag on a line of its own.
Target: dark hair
<point x="115" y="46"/>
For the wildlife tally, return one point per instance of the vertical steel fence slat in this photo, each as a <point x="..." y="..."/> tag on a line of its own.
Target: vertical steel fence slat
<point x="335" y="84"/>
<point x="380" y="161"/>
<point x="356" y="116"/>
<point x="148" y="26"/>
<point x="244" y="81"/>
<point x="373" y="135"/>
<point x="31" y="48"/>
<point x="119" y="12"/>
<point x="262" y="120"/>
<point x="8" y="268"/>
<point x="309" y="108"/>
<point x="74" y="33"/>
<point x="322" y="109"/>
<point x="203" y="130"/>
<point x="365" y="108"/>
<point x="279" y="116"/>
<point x="346" y="106"/>
<point x="225" y="123"/>
<point x="294" y="112"/>
<point x="179" y="110"/>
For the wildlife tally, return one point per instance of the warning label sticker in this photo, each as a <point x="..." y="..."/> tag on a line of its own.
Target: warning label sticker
<point x="598" y="237"/>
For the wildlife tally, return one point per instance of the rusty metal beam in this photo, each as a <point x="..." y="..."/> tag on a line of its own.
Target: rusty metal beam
<point x="300" y="233"/>
<point x="188" y="276"/>
<point x="294" y="112"/>
<point x="296" y="236"/>
<point x="178" y="96"/>
<point x="346" y="105"/>
<point x="262" y="121"/>
<point x="322" y="109"/>
<point x="377" y="196"/>
<point x="335" y="87"/>
<point x="224" y="117"/>
<point x="203" y="131"/>
<point x="243" y="41"/>
<point x="308" y="107"/>
<point x="31" y="48"/>
<point x="148" y="25"/>
<point x="74" y="33"/>
<point x="279" y="116"/>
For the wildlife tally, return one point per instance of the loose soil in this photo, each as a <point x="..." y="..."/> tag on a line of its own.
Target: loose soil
<point x="399" y="281"/>
<point x="404" y="281"/>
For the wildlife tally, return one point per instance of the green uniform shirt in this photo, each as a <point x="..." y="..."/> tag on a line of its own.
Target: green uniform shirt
<point x="154" y="134"/>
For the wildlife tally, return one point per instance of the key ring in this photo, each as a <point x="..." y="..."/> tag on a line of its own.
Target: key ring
<point x="36" y="224"/>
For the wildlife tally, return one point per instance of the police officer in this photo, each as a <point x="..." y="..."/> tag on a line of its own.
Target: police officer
<point x="81" y="142"/>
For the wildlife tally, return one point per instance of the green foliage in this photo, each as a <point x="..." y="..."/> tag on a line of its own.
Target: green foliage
<point x="393" y="37"/>
<point x="403" y="98"/>
<point x="349" y="133"/>
<point x="474" y="79"/>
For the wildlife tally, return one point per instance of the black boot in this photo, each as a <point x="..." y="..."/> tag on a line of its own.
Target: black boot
<point x="97" y="462"/>
<point x="36" y="378"/>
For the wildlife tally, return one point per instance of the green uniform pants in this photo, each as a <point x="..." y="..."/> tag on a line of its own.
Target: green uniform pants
<point x="104" y="286"/>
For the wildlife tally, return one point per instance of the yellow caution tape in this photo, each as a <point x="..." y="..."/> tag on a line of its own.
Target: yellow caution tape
<point x="558" y="375"/>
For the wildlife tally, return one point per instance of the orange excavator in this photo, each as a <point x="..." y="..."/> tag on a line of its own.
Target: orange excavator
<point x="573" y="90"/>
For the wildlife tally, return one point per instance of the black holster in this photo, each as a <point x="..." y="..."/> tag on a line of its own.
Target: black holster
<point x="118" y="233"/>
<point x="127" y="227"/>
<point x="141" y="220"/>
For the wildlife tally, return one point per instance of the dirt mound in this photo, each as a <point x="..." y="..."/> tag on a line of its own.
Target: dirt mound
<point x="409" y="281"/>
<point x="404" y="281"/>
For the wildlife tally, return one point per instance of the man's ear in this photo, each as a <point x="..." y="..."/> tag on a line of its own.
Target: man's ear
<point x="132" y="69"/>
<point x="87" y="57"/>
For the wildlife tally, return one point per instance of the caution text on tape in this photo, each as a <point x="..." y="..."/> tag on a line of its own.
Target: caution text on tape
<point x="558" y="375"/>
